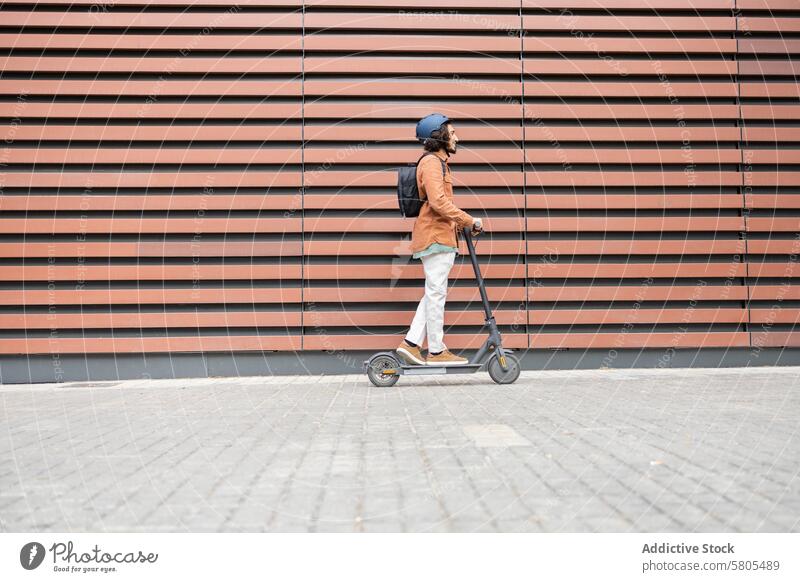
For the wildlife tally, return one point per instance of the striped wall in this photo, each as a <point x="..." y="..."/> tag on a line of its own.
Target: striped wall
<point x="215" y="176"/>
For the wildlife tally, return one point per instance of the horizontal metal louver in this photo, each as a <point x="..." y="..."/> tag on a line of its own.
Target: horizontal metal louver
<point x="214" y="176"/>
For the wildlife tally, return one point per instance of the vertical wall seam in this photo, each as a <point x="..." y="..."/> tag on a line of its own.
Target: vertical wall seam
<point x="741" y="145"/>
<point x="302" y="173"/>
<point x="524" y="180"/>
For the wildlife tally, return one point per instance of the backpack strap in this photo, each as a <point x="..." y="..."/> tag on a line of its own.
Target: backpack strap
<point x="444" y="169"/>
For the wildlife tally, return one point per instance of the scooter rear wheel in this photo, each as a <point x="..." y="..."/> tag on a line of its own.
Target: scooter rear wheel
<point x="504" y="377"/>
<point x="377" y="365"/>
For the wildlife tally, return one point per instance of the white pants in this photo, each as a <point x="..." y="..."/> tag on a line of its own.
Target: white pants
<point x="430" y="311"/>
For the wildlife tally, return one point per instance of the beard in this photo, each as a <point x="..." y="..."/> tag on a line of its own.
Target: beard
<point x="451" y="148"/>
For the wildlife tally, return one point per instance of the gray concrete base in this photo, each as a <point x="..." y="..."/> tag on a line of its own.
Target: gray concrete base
<point x="67" y="368"/>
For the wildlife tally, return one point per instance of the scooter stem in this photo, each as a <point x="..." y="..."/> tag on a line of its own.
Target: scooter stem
<point x="487" y="309"/>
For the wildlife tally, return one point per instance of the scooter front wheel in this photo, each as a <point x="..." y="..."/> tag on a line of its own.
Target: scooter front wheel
<point x="377" y="367"/>
<point x="497" y="373"/>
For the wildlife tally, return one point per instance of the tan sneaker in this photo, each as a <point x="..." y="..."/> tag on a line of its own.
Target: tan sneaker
<point x="410" y="354"/>
<point x="446" y="358"/>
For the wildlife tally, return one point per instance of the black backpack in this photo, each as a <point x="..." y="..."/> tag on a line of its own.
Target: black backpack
<point x="407" y="192"/>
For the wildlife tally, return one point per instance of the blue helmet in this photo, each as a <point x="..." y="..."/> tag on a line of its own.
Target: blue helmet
<point x="429" y="124"/>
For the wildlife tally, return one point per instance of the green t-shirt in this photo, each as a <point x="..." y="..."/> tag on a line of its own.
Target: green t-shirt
<point x="435" y="248"/>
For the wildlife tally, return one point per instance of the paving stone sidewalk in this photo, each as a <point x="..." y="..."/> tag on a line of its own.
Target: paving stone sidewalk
<point x="700" y="450"/>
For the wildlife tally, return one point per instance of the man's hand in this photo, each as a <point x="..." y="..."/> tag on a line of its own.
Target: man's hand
<point x="477" y="226"/>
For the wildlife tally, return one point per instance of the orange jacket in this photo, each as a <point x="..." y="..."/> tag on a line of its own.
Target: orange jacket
<point x="439" y="218"/>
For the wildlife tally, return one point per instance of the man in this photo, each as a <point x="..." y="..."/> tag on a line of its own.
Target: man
<point x="434" y="242"/>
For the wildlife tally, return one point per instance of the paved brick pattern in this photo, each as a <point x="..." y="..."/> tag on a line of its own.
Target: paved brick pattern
<point x="623" y="451"/>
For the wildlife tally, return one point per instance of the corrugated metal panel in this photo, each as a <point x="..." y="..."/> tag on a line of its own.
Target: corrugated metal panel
<point x="218" y="176"/>
<point x="769" y="62"/>
<point x="150" y="194"/>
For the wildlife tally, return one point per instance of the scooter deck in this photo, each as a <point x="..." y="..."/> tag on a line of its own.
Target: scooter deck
<point x="412" y="370"/>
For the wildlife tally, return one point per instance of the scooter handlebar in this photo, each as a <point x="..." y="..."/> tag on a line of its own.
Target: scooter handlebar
<point x="470" y="231"/>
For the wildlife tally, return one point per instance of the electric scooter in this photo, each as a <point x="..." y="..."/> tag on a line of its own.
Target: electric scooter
<point x="385" y="368"/>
